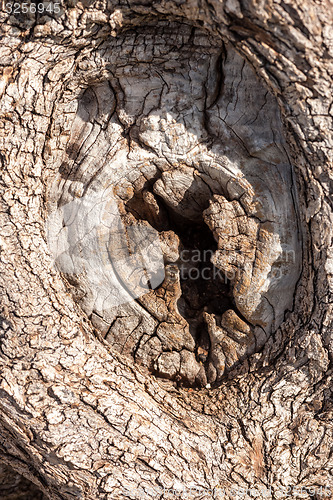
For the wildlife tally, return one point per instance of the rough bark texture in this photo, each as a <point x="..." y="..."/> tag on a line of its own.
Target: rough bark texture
<point x="13" y="486"/>
<point x="191" y="126"/>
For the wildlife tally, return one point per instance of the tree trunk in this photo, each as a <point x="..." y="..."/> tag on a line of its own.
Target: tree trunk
<point x="166" y="263"/>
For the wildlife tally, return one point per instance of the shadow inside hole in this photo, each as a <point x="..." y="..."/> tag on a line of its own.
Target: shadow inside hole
<point x="204" y="287"/>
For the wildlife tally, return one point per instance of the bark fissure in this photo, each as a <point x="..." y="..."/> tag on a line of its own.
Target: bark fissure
<point x="173" y="96"/>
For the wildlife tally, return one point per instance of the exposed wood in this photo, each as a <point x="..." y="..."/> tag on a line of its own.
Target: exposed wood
<point x="132" y="136"/>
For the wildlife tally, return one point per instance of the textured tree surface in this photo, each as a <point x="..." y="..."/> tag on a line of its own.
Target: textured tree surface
<point x="13" y="486"/>
<point x="166" y="262"/>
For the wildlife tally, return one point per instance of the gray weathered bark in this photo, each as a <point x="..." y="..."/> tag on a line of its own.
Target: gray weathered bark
<point x="194" y="126"/>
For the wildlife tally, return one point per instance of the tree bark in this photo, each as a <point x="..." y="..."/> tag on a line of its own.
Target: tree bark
<point x="215" y="115"/>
